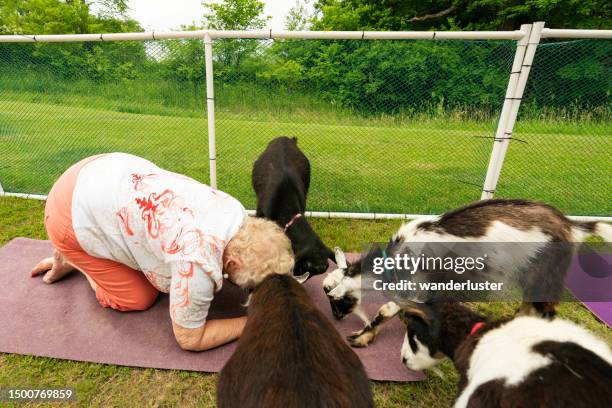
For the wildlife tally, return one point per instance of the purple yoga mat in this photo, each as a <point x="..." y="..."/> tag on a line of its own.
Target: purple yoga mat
<point x="64" y="320"/>
<point x="590" y="280"/>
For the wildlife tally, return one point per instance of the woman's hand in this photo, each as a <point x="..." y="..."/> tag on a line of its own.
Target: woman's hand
<point x="213" y="334"/>
<point x="54" y="268"/>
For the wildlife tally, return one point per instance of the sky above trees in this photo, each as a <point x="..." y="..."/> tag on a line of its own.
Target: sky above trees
<point x="166" y="15"/>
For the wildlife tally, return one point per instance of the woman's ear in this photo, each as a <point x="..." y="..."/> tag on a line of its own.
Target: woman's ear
<point x="231" y="264"/>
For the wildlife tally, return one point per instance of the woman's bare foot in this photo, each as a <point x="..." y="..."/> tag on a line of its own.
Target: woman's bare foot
<point x="55" y="267"/>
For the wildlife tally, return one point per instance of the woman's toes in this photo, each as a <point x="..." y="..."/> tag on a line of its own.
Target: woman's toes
<point x="57" y="273"/>
<point x="48" y="278"/>
<point x="42" y="266"/>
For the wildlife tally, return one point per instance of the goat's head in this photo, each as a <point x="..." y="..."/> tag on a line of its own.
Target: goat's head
<point x="312" y="259"/>
<point x="420" y="349"/>
<point x="434" y="330"/>
<point x="311" y="254"/>
<point x="343" y="286"/>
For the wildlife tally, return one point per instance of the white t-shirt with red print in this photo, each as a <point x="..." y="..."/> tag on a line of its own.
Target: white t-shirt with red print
<point x="169" y="226"/>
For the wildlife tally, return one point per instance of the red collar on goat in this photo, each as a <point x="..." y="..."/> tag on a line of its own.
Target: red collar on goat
<point x="290" y="223"/>
<point x="476" y="327"/>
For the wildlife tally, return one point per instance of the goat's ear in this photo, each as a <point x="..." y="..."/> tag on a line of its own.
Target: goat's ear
<point x="403" y="317"/>
<point x="340" y="258"/>
<point x="302" y="278"/>
<point x="415" y="311"/>
<point x="248" y="300"/>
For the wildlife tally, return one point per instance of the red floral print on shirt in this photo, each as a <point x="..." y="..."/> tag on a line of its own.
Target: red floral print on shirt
<point x="124" y="215"/>
<point x="170" y="222"/>
<point x="182" y="286"/>
<point x="151" y="209"/>
<point x="139" y="180"/>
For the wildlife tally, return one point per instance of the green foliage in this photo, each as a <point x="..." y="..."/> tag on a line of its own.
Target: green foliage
<point x="112" y="7"/>
<point x="62" y="17"/>
<point x="43" y="17"/>
<point x="96" y="61"/>
<point x="460" y="14"/>
<point x="117" y="61"/>
<point x="298" y="19"/>
<point x="372" y="78"/>
<point x="235" y="15"/>
<point x="578" y="76"/>
<point x="286" y="74"/>
<point x="397" y="76"/>
<point x="184" y="61"/>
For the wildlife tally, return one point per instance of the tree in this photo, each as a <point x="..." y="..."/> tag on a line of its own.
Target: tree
<point x="298" y="18"/>
<point x="460" y="14"/>
<point x="63" y="17"/>
<point x="235" y="15"/>
<point x="94" y="60"/>
<point x="111" y="7"/>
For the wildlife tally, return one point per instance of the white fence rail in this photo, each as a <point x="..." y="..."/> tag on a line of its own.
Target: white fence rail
<point x="528" y="38"/>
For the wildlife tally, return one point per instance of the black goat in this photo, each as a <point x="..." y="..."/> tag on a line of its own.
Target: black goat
<point x="290" y="356"/>
<point x="281" y="178"/>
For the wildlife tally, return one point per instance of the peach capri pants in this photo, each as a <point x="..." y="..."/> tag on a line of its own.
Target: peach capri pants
<point x="117" y="285"/>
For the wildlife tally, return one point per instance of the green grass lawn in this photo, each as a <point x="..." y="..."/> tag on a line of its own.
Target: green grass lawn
<point x="419" y="165"/>
<point x="109" y="385"/>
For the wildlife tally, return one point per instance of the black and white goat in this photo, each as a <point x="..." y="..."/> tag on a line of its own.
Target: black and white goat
<point x="290" y="355"/>
<point x="281" y="178"/>
<point x="526" y="361"/>
<point x="551" y="235"/>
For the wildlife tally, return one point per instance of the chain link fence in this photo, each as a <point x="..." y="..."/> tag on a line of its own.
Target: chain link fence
<point x="389" y="126"/>
<point x="561" y="150"/>
<point x="61" y="102"/>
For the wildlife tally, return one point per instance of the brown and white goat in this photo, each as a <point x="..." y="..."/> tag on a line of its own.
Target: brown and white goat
<point x="551" y="236"/>
<point x="290" y="355"/>
<point x="521" y="362"/>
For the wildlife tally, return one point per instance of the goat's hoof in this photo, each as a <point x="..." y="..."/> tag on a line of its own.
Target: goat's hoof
<point x="359" y="340"/>
<point x="353" y="336"/>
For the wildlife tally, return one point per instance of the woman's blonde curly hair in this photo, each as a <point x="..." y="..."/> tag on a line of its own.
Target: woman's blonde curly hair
<point x="261" y="248"/>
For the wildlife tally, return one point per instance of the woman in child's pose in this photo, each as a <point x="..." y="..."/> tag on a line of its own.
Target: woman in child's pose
<point x="135" y="230"/>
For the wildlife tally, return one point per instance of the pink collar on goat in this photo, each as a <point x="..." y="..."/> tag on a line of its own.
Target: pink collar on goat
<point x="476" y="327"/>
<point x="290" y="223"/>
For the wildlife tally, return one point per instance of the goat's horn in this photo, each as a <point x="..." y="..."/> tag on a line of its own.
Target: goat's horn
<point x="302" y="278"/>
<point x="335" y="292"/>
<point x="340" y="258"/>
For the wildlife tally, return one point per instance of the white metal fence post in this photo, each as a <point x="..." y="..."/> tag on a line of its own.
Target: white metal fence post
<point x="523" y="58"/>
<point x="210" y="108"/>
